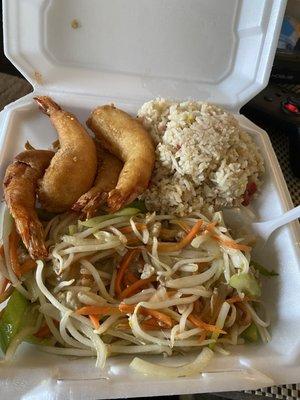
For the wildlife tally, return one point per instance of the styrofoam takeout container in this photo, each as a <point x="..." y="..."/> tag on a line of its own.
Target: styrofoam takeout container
<point x="127" y="53"/>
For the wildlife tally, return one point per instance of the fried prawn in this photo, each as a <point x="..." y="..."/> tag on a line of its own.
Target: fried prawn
<point x="73" y="168"/>
<point x="126" y="138"/>
<point x="20" y="186"/>
<point x="109" y="168"/>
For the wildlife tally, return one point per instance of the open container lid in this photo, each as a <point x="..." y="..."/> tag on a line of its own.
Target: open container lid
<point x="219" y="51"/>
<point x="216" y="50"/>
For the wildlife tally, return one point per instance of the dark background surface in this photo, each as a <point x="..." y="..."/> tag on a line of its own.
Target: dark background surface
<point x="5" y="65"/>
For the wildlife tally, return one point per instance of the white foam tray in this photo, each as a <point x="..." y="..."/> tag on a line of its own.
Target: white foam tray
<point x="248" y="367"/>
<point x="204" y="49"/>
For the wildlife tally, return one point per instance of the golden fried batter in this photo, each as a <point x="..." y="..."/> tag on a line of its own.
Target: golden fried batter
<point x="73" y="168"/>
<point x="20" y="186"/>
<point x="109" y="168"/>
<point x="126" y="138"/>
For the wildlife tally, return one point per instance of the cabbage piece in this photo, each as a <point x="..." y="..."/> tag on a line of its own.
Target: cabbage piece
<point x="245" y="283"/>
<point x="72" y="229"/>
<point x="13" y="318"/>
<point x="93" y="222"/>
<point x="251" y="333"/>
<point x="18" y="316"/>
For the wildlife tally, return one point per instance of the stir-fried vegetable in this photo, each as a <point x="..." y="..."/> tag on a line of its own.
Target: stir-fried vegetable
<point x="163" y="371"/>
<point x="93" y="222"/>
<point x="245" y="283"/>
<point x="251" y="333"/>
<point x="13" y="319"/>
<point x="133" y="283"/>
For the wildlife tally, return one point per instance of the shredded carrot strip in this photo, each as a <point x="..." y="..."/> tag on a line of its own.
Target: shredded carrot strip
<point x="43" y="332"/>
<point x="94" y="318"/>
<point x="128" y="229"/>
<point x="126" y="308"/>
<point x="136" y="287"/>
<point x="152" y="324"/>
<point x="27" y="266"/>
<point x="210" y="227"/>
<point x="98" y="310"/>
<point x="232" y="244"/>
<point x="237" y="299"/>
<point x="13" y="252"/>
<point x="165" y="319"/>
<point x="129" y="309"/>
<point x="124" y="265"/>
<point x="168" y="247"/>
<point x="130" y="278"/>
<point x="203" y="325"/>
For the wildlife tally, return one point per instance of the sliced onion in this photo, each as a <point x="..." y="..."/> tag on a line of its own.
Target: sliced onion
<point x="99" y="345"/>
<point x="66" y="337"/>
<point x="194" y="280"/>
<point x="93" y="247"/>
<point x="125" y="336"/>
<point x="192" y="368"/>
<point x="91" y="299"/>
<point x="200" y="291"/>
<point x="148" y="348"/>
<point x="144" y="295"/>
<point x="184" y="317"/>
<point x="110" y="321"/>
<point x="67" y="351"/>
<point x="168" y="303"/>
<point x="256" y="318"/>
<point x="103" y="225"/>
<point x="63" y="284"/>
<point x="98" y="280"/>
<point x="221" y="318"/>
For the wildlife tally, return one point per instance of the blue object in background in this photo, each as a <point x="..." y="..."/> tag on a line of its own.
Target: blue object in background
<point x="290" y="34"/>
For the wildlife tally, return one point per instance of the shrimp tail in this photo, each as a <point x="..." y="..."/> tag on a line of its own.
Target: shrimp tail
<point x="32" y="234"/>
<point x="117" y="200"/>
<point x="89" y="203"/>
<point x="109" y="168"/>
<point x="46" y="104"/>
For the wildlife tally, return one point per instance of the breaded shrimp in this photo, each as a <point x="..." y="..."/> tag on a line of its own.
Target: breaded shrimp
<point x="126" y="138"/>
<point x="73" y="168"/>
<point x="109" y="168"/>
<point x="20" y="186"/>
